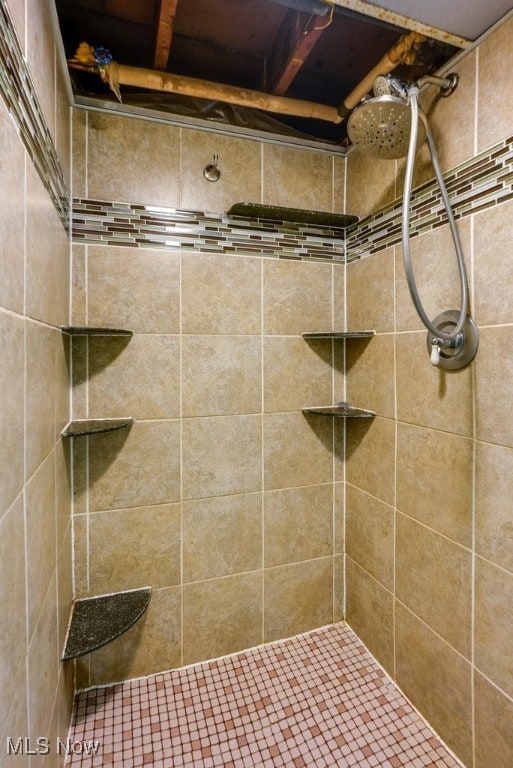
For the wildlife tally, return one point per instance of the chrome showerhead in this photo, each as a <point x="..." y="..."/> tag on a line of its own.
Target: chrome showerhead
<point x="385" y="85"/>
<point x="381" y="126"/>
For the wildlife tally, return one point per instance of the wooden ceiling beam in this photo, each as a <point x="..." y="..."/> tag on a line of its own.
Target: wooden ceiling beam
<point x="166" y="17"/>
<point x="295" y="40"/>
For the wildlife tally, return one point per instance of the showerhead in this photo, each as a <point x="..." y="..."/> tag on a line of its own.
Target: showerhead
<point x="381" y="126"/>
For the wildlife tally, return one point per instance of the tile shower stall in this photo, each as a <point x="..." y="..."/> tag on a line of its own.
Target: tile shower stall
<point x="260" y="530"/>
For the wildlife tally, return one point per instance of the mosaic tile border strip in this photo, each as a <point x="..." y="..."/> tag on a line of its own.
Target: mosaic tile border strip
<point x="143" y="226"/>
<point x="19" y="94"/>
<point x="479" y="183"/>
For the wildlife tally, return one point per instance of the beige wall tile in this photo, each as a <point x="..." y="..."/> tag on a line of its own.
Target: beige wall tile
<point x="297" y="450"/>
<point x="138" y="376"/>
<point x="62" y="117"/>
<point x="437" y="680"/>
<point x="221" y="455"/>
<point x="17" y="13"/>
<point x="430" y="396"/>
<point x="12" y="604"/>
<point x="494" y="726"/>
<point x="239" y="163"/>
<point x="423" y="458"/>
<point x="494" y="491"/>
<point x="298" y="597"/>
<point x="134" y="289"/>
<point x="40" y="537"/>
<point x="40" y="59"/>
<point x="47" y="257"/>
<point x="433" y="579"/>
<point x="81" y="555"/>
<point x="229" y="613"/>
<point x="370" y="374"/>
<point x="370" y="535"/>
<point x="493" y="256"/>
<point x="436" y="274"/>
<point x="64" y="572"/>
<point x="453" y="146"/>
<point x="370" y="293"/>
<point x="222" y="375"/>
<point x="295" y="178"/>
<point x="79" y="285"/>
<point x="151" y="645"/>
<point x="493" y="622"/>
<point x="41" y="391"/>
<point x="298" y="524"/>
<point x="297" y="297"/>
<point x="379" y="188"/>
<point x="12" y="343"/>
<point x="79" y="143"/>
<point x="16" y="722"/>
<point x="494" y="373"/>
<point x="370" y="451"/>
<point x="493" y="115"/>
<point x="113" y="140"/>
<point x="339" y="517"/>
<point x="136" y="467"/>
<point x="221" y="294"/>
<point x="338" y="588"/>
<point x="339" y="297"/>
<point x="12" y="170"/>
<point x="43" y="663"/>
<point x="222" y="536"/>
<point x="297" y="373"/>
<point x="370" y="611"/>
<point x="339" y="184"/>
<point x="132" y="548"/>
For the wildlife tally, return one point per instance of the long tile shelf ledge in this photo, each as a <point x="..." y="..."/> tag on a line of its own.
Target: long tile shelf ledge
<point x="339" y="335"/>
<point x="340" y="411"/>
<point x="96" y="621"/>
<point x="292" y="215"/>
<point x="80" y="330"/>
<point x="83" y="427"/>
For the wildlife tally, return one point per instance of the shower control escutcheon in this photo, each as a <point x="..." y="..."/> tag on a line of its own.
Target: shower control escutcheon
<point x="452" y="352"/>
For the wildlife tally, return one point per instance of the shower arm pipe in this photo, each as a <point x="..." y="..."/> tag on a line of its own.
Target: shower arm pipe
<point x="404" y="51"/>
<point x="441" y="338"/>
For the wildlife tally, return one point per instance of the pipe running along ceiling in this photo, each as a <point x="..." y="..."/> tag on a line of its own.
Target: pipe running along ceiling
<point x="288" y="69"/>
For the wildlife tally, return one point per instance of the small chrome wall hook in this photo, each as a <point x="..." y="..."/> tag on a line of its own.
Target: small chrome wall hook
<point x="211" y="172"/>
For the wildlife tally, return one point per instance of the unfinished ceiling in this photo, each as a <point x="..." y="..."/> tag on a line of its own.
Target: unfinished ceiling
<point x="282" y="68"/>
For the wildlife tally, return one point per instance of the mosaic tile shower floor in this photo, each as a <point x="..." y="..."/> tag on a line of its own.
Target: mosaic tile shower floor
<point x="318" y="700"/>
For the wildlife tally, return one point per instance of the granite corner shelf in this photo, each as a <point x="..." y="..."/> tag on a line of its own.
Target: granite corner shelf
<point x="340" y="411"/>
<point x="82" y="427"/>
<point x="96" y="621"/>
<point x="83" y="330"/>
<point x="300" y="216"/>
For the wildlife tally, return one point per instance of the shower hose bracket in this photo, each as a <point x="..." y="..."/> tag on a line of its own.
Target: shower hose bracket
<point x="457" y="352"/>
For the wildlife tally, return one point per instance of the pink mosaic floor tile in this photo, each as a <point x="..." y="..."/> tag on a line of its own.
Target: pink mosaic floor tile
<point x="318" y="700"/>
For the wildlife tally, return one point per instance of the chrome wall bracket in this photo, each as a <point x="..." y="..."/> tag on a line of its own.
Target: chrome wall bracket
<point x="452" y="355"/>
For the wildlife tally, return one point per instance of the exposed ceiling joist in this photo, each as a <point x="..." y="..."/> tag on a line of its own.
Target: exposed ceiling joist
<point x="295" y="40"/>
<point x="166" y="17"/>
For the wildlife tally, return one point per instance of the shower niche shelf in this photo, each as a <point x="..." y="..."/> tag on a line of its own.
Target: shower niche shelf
<point x="83" y="330"/>
<point x="96" y="621"/>
<point x="82" y="427"/>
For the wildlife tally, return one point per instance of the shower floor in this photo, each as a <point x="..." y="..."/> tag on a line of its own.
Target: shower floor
<point x="318" y="700"/>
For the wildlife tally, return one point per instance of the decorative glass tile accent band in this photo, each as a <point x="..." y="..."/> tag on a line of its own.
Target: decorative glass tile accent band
<point x="479" y="183"/>
<point x="138" y="226"/>
<point x="21" y="99"/>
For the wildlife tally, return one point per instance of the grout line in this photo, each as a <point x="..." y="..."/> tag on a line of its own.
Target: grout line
<point x="262" y="447"/>
<point x="181" y="438"/>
